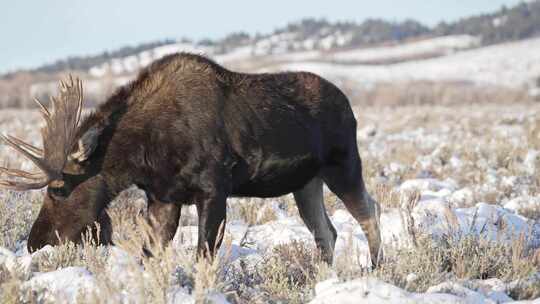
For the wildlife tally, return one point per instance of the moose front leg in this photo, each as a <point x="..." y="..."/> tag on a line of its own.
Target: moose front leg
<point x="105" y="231"/>
<point x="163" y="218"/>
<point x="212" y="215"/>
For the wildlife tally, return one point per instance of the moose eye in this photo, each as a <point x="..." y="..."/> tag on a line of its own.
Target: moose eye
<point x="58" y="193"/>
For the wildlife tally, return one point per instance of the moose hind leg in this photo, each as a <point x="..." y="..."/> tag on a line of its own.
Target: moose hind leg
<point x="310" y="204"/>
<point x="345" y="180"/>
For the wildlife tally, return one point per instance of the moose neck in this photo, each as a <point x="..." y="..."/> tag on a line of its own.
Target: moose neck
<point x="105" y="115"/>
<point x="105" y="119"/>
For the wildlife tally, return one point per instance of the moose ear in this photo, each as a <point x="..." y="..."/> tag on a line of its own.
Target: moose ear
<point x="86" y="144"/>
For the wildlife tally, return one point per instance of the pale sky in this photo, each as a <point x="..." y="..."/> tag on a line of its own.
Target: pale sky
<point x="34" y="32"/>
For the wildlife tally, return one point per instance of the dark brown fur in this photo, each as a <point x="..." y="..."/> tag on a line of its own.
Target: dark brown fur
<point x="188" y="131"/>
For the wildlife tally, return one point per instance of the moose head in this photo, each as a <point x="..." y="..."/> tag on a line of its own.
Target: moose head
<point x="76" y="194"/>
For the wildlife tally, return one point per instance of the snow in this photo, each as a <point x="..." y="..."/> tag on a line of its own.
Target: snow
<point x="8" y="259"/>
<point x="427" y="184"/>
<point x="132" y="64"/>
<point x="499" y="21"/>
<point x="435" y="46"/>
<point x="66" y="284"/>
<point x="511" y="64"/>
<point x="491" y="222"/>
<point x="466" y="294"/>
<point x="371" y="290"/>
<point x="366" y="132"/>
<point x="532" y="160"/>
<point x="236" y="54"/>
<point x="464" y="196"/>
<point x="179" y="295"/>
<point x="297" y="56"/>
<point x="119" y="263"/>
<point x="523" y="203"/>
<point x="215" y="298"/>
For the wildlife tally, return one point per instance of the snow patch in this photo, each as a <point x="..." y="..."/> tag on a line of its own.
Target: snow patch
<point x="65" y="285"/>
<point x="433" y="46"/>
<point x="371" y="290"/>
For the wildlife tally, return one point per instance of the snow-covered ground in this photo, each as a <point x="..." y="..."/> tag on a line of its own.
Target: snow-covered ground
<point x="428" y="47"/>
<point x="134" y="63"/>
<point x="370" y="290"/>
<point x="474" y="169"/>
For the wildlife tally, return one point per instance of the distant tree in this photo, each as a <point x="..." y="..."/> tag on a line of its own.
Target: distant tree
<point x="186" y="40"/>
<point x="206" y="42"/>
<point x="234" y="40"/>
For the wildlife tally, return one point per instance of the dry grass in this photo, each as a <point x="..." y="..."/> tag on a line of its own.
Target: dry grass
<point x="479" y="147"/>
<point x="407" y="203"/>
<point x="432" y="93"/>
<point x="451" y="258"/>
<point x="332" y="203"/>
<point x="11" y="291"/>
<point x="457" y="259"/>
<point x="435" y="262"/>
<point x="387" y="197"/>
<point x="290" y="272"/>
<point x="17" y="214"/>
<point x="531" y="212"/>
<point x="286" y="274"/>
<point x="254" y="211"/>
<point x="533" y="133"/>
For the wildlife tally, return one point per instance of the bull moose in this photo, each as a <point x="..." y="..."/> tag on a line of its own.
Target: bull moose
<point x="189" y="131"/>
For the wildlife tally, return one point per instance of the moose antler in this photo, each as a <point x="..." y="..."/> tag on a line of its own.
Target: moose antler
<point x="58" y="137"/>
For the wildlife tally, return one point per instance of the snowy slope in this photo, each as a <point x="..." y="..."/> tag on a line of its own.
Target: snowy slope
<point x="132" y="64"/>
<point x="429" y="47"/>
<point x="456" y="59"/>
<point x="511" y="64"/>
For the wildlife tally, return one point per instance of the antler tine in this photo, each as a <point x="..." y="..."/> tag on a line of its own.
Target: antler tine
<point x="52" y="102"/>
<point x="26" y="150"/>
<point x="80" y="101"/>
<point x="22" y="186"/>
<point x="27" y="146"/>
<point x="66" y="84"/>
<point x="71" y="82"/>
<point x="20" y="173"/>
<point x="43" y="109"/>
<point x="37" y="161"/>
